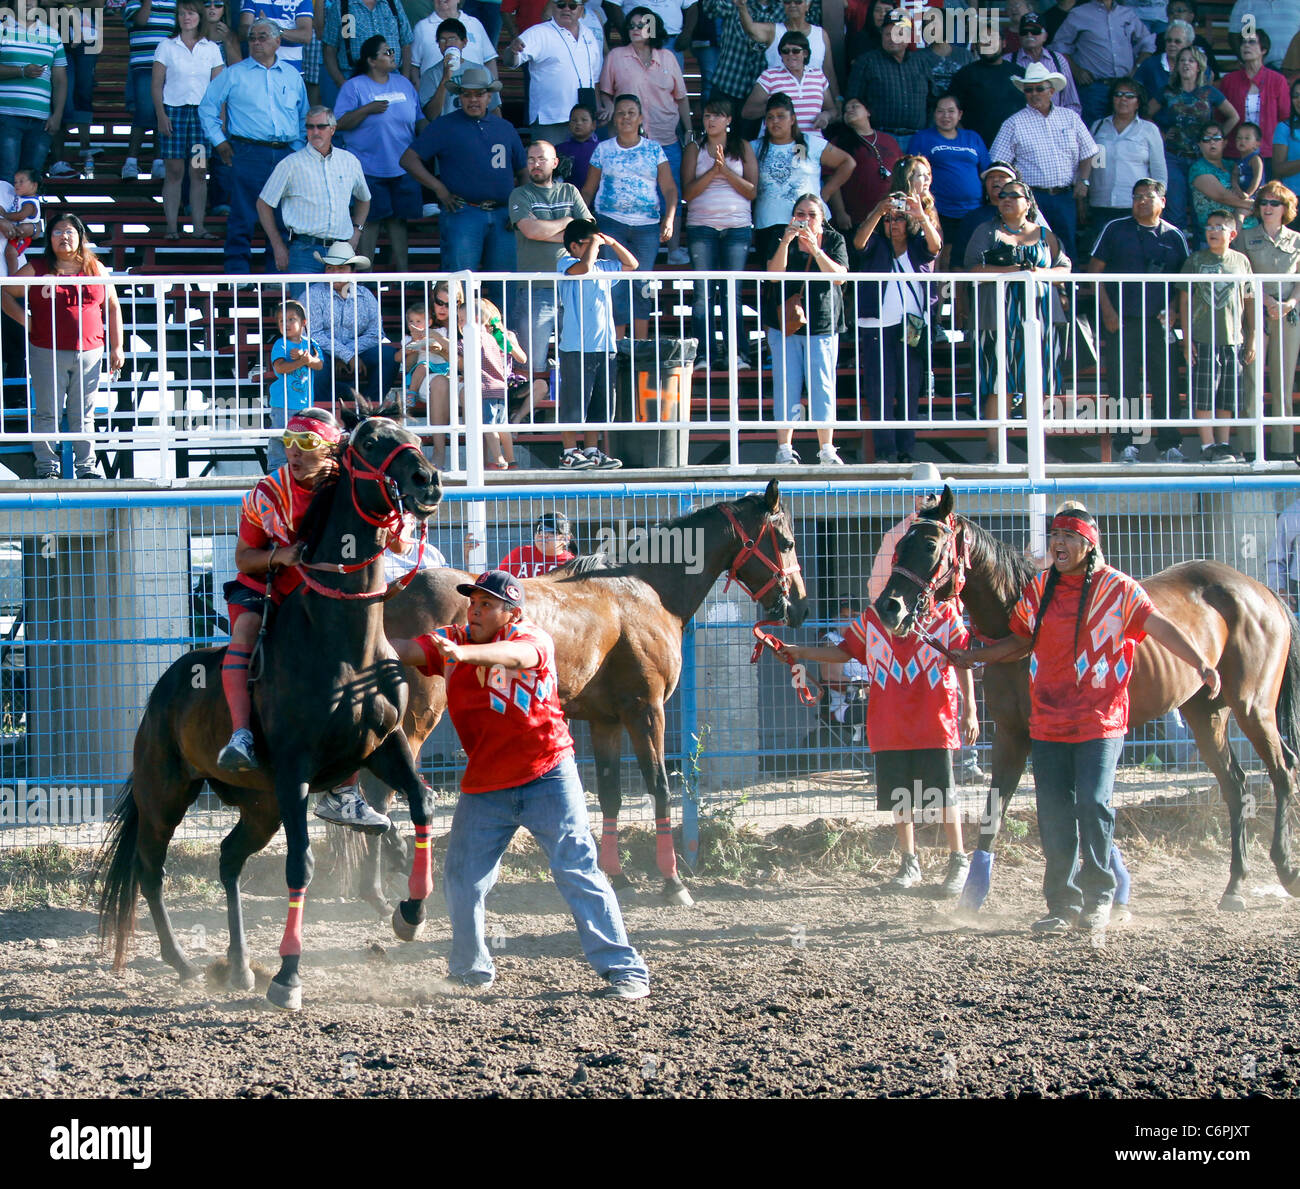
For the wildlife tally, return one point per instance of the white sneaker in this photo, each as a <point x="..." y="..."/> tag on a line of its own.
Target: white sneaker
<point x="431" y="209"/>
<point x="1129" y="455"/>
<point x="679" y="258"/>
<point x="347" y="807"/>
<point x="130" y="169"/>
<point x="1173" y="454"/>
<point x="159" y="170"/>
<point x="61" y="169"/>
<point x="828" y="456"/>
<point x="785" y="456"/>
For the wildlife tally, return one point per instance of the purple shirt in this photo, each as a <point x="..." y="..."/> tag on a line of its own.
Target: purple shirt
<point x="1105" y="43"/>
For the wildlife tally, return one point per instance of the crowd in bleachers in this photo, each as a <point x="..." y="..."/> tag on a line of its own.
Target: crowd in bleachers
<point x="1092" y="136"/>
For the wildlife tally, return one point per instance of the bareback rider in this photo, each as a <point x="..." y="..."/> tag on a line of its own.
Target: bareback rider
<point x="268" y="546"/>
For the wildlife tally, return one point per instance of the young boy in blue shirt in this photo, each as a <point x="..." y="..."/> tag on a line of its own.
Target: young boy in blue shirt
<point x="294" y="356"/>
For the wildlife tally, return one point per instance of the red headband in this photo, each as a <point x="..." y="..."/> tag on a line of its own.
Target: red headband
<point x="323" y="429"/>
<point x="1087" y="531"/>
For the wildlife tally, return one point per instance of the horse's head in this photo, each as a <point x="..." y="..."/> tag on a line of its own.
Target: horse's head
<point x="767" y="565"/>
<point x="928" y="564"/>
<point x="388" y="473"/>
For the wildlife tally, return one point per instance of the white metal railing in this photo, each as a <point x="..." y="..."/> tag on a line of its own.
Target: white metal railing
<point x="197" y="369"/>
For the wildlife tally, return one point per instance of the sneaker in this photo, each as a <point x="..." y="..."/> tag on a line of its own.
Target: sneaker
<point x="602" y="461"/>
<point x="970" y="772"/>
<point x="61" y="169"/>
<point x="575" y="460"/>
<point x="679" y="258"/>
<point x="785" y="456"/>
<point x="626" y="987"/>
<point x="1129" y="455"/>
<point x="47" y="472"/>
<point x="238" y="755"/>
<point x="430" y="209"/>
<point x="1173" y="454"/>
<point x="130" y="169"/>
<point x="955" y="877"/>
<point x="1094" y="919"/>
<point x="1052" y="924"/>
<point x="159" y="170"/>
<point x="909" y="874"/>
<point x="473" y="981"/>
<point x="1217" y="452"/>
<point x="90" y="472"/>
<point x="828" y="456"/>
<point x="345" y="806"/>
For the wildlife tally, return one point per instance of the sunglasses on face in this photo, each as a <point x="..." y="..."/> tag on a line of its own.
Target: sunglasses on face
<point x="440" y="301"/>
<point x="1038" y="90"/>
<point x="304" y="441"/>
<point x="1271" y="202"/>
<point x="386" y="52"/>
<point x="1010" y="194"/>
<point x="318" y="127"/>
<point x="1210" y="139"/>
<point x="1125" y="94"/>
<point x="641" y="23"/>
<point x="564" y="4"/>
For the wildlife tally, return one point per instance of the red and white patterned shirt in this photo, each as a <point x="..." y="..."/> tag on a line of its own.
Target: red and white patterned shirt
<point x="530" y="562"/>
<point x="1081" y="694"/>
<point x="272" y="515"/>
<point x="915" y="701"/>
<point x="509" y="720"/>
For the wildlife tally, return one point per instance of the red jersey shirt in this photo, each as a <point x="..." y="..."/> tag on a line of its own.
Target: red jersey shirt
<point x="1081" y="694"/>
<point x="530" y="562"/>
<point x="272" y="515"/>
<point x="509" y="720"/>
<point x="915" y="700"/>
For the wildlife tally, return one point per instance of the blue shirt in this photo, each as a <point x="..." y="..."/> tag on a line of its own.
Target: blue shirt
<point x="587" y="308"/>
<point x="477" y="159"/>
<point x="285" y="14"/>
<point x="955" y="167"/>
<point x="1290" y="140"/>
<point x="292" y="391"/>
<point x="262" y="103"/>
<point x="379" y="141"/>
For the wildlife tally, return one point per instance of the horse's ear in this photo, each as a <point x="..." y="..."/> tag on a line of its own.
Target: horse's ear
<point x="946" y="503"/>
<point x="772" y="497"/>
<point x="355" y="412"/>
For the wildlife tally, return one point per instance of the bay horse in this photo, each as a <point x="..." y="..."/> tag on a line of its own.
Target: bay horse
<point x="618" y="629"/>
<point x="1241" y="626"/>
<point x="329" y="700"/>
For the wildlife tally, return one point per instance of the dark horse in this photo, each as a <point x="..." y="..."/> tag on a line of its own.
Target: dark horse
<point x="329" y="700"/>
<point x="1249" y="636"/>
<point x="618" y="643"/>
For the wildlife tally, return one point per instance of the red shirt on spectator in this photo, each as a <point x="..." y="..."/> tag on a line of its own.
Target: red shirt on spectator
<point x="527" y="13"/>
<point x="65" y="317"/>
<point x="530" y="562"/>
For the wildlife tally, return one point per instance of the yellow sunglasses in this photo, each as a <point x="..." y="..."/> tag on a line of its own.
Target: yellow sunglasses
<point x="304" y="441"/>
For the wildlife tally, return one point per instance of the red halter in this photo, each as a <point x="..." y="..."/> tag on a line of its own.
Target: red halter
<point x="781" y="575"/>
<point x="954" y="558"/>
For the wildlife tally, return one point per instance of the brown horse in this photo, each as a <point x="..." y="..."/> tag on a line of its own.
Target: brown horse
<point x="1244" y="629"/>
<point x="618" y="644"/>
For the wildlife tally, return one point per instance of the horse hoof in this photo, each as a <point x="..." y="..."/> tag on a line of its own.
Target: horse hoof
<point x="619" y="882"/>
<point x="403" y="928"/>
<point x="241" y="978"/>
<point x="1232" y="902"/>
<point x="188" y="971"/>
<point x="285" y="998"/>
<point x="675" y="893"/>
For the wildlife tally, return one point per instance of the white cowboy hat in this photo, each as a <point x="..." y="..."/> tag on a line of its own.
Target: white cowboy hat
<point x="1036" y="72"/>
<point x="341" y="253"/>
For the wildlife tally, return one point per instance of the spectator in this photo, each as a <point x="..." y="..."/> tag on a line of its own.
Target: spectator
<point x="1155" y="72"/>
<point x="894" y="316"/>
<point x="1051" y="148"/>
<point x="1136" y="317"/>
<point x="1218" y="333"/>
<point x="426" y="52"/>
<point x="66" y="327"/>
<point x="344" y="320"/>
<point x="992" y="181"/>
<point x="814" y="104"/>
<point x="864" y="21"/>
<point x="1250" y="165"/>
<point x="500" y="348"/>
<point x="148" y="24"/>
<point x="488" y="14"/>
<point x="582" y="142"/>
<point x="1187" y="12"/>
<point x="790" y="164"/>
<point x="295" y="356"/>
<point x="1283" y="563"/>
<point x="1131" y="149"/>
<point x="416" y="358"/>
<point x="1274" y="249"/>
<point x="1286" y="143"/>
<point x="1033" y="48"/>
<point x="987" y="93"/>
<point x="1104" y="41"/>
<point x="587" y="339"/>
<point x="342" y="55"/>
<point x="1054" y="17"/>
<point x="321" y="195"/>
<point x="804" y="321"/>
<point x="630" y="187"/>
<point x="1152" y="13"/>
<point x="525" y="13"/>
<point x="550" y="549"/>
<point x="771" y="35"/>
<point x="874" y="155"/>
<point x="1013" y="12"/>
<point x="1280" y="17"/>
<point x="436" y="96"/>
<point x="1257" y="94"/>
<point x="564" y="58"/>
<point x="721" y="182"/>
<point x="480" y="158"/>
<point x="957" y="157"/>
<point x="893" y="82"/>
<point x="740" y="58"/>
<point x="83" y="44"/>
<point x="294" y="19"/>
<point x="539" y="211"/>
<point x="253" y="112"/>
<point x="1210" y="181"/>
<point x="378" y="109"/>
<point x="33" y="91"/>
<point x="183" y="67"/>
<point x="945" y="61"/>
<point x="435" y="351"/>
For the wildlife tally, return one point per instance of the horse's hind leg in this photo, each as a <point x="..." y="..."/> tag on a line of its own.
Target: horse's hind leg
<point x="647" y="732"/>
<point x="1010" y="750"/>
<point x="1210" y="728"/>
<point x="1260" y="727"/>
<point x="605" y="740"/>
<point x="258" y="822"/>
<point x="151" y="852"/>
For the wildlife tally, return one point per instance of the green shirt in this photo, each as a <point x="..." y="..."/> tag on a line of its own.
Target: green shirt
<point x="1216" y="308"/>
<point x="20" y="46"/>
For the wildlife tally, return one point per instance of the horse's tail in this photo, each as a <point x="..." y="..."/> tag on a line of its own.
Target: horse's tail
<point x="121" y="881"/>
<point x="1288" y="698"/>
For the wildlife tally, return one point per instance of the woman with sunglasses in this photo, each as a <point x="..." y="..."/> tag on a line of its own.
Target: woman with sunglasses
<point x="874" y="155"/>
<point x="771" y="34"/>
<point x="1272" y="248"/>
<point x="1210" y="182"/>
<point x="1131" y="149"/>
<point x="808" y="88"/>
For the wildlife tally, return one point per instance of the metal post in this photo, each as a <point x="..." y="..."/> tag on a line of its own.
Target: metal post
<point x="167" y="459"/>
<point x="733" y="312"/>
<point x="1032" y="337"/>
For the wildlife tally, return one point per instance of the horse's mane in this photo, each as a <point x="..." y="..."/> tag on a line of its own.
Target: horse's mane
<point x="1008" y="571"/>
<point x="585" y="564"/>
<point x="318" y="514"/>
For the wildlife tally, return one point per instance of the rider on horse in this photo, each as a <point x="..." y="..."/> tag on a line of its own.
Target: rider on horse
<point x="268" y="547"/>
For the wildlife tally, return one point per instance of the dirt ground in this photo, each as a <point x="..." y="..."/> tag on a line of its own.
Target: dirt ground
<point x="793" y="982"/>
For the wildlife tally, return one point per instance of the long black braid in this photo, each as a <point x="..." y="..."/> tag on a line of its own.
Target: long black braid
<point x="1049" y="587"/>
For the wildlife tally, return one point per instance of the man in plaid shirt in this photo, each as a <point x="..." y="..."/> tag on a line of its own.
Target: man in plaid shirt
<point x="741" y="60"/>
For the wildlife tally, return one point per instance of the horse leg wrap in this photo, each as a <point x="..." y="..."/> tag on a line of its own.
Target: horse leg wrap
<point x="291" y="944"/>
<point x="1123" y="882"/>
<point x="420" y="884"/>
<point x="665" y="852"/>
<point x="609" y="861"/>
<point x="234" y="681"/>
<point x="976" y="890"/>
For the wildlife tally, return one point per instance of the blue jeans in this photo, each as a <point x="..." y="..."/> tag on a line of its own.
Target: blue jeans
<point x="714" y="250"/>
<point x="630" y="300"/>
<point x="139" y="97"/>
<point x="531" y="314"/>
<point x="1178" y="197"/>
<point x="795" y="357"/>
<point x="489" y="15"/>
<point x="24" y="144"/>
<point x="252" y="166"/>
<point x="1063" y="217"/>
<point x="478" y="240"/>
<point x="302" y="258"/>
<point x="1095" y="100"/>
<point x="1072" y="785"/>
<point x="553" y="811"/>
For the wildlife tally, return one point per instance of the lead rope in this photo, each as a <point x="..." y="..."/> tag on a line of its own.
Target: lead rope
<point x="808" y="690"/>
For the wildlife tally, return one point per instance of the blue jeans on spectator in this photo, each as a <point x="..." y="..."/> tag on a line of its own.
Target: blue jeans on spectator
<point x="302" y="258"/>
<point x="372" y="387"/>
<point x="252" y="166"/>
<point x="24" y="144"/>
<point x="1095" y="99"/>
<point x="1062" y="216"/>
<point x="707" y="57"/>
<point x="1178" y="196"/>
<point x="480" y="241"/>
<point x="1072" y="785"/>
<point x="552" y="809"/>
<point x="139" y="97"/>
<point x="532" y="314"/>
<point x="77" y="109"/>
<point x="799" y="356"/>
<point x="630" y="299"/>
<point x="489" y="16"/>
<point x="714" y="250"/>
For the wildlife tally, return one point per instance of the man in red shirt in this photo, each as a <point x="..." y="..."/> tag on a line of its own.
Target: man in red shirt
<point x="549" y="550"/>
<point x="502" y="699"/>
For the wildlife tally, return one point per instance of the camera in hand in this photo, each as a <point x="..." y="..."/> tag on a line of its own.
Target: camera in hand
<point x="1007" y="255"/>
<point x="898" y="202"/>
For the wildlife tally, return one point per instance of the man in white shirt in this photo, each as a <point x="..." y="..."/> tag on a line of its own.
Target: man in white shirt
<point x="564" y="58"/>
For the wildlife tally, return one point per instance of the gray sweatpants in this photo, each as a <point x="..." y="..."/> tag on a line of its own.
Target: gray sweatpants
<point x="63" y="381"/>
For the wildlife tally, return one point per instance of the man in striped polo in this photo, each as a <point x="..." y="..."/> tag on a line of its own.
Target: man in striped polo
<point x="33" y="89"/>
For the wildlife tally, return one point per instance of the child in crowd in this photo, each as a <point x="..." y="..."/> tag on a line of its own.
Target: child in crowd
<point x="435" y="93"/>
<point x="294" y="356"/>
<point x="419" y="359"/>
<point x="552" y="537"/>
<point x="500" y="347"/>
<point x="26" y="208"/>
<point x="582" y="142"/>
<point x="1218" y="331"/>
<point x="1250" y="169"/>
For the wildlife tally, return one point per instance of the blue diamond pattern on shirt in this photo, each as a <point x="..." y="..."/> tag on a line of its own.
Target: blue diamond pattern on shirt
<point x="523" y="699"/>
<point x="912" y="669"/>
<point x="1121" y="669"/>
<point x="933" y="674"/>
<point x="496" y="702"/>
<point x="1033" y="666"/>
<point x="1081" y="666"/>
<point x="882" y="676"/>
<point x="896" y="670"/>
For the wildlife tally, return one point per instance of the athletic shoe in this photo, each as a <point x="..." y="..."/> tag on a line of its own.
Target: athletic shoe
<point x="955" y="877"/>
<point x="679" y="258"/>
<point x="471" y="982"/>
<point x="909" y="874"/>
<point x="1051" y="924"/>
<point x="626" y="987"/>
<point x="1217" y="452"/>
<point x="47" y="472"/>
<point x="159" y="170"/>
<point x="1129" y="455"/>
<point x="345" y="806"/>
<point x="970" y="772"/>
<point x="238" y="754"/>
<point x="130" y="169"/>
<point x="785" y="456"/>
<point x="828" y="456"/>
<point x="90" y="472"/>
<point x="1094" y="919"/>
<point x="430" y="209"/>
<point x="61" y="169"/>
<point x="575" y="460"/>
<point x="1173" y="454"/>
<point x="602" y="461"/>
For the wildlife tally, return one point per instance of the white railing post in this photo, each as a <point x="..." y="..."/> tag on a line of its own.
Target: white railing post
<point x="167" y="457"/>
<point x="472" y="380"/>
<point x="1259" y="372"/>
<point x="1033" y="331"/>
<point x="732" y="315"/>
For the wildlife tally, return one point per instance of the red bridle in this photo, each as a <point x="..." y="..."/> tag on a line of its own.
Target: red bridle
<point x="954" y="559"/>
<point x="781" y="574"/>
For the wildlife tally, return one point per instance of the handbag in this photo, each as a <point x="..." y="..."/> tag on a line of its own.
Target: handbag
<point x="793" y="317"/>
<point x="915" y="326"/>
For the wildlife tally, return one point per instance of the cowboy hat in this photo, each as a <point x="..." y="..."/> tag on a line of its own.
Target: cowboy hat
<point x="1036" y="72"/>
<point x="341" y="253"/>
<point x="474" y="78"/>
